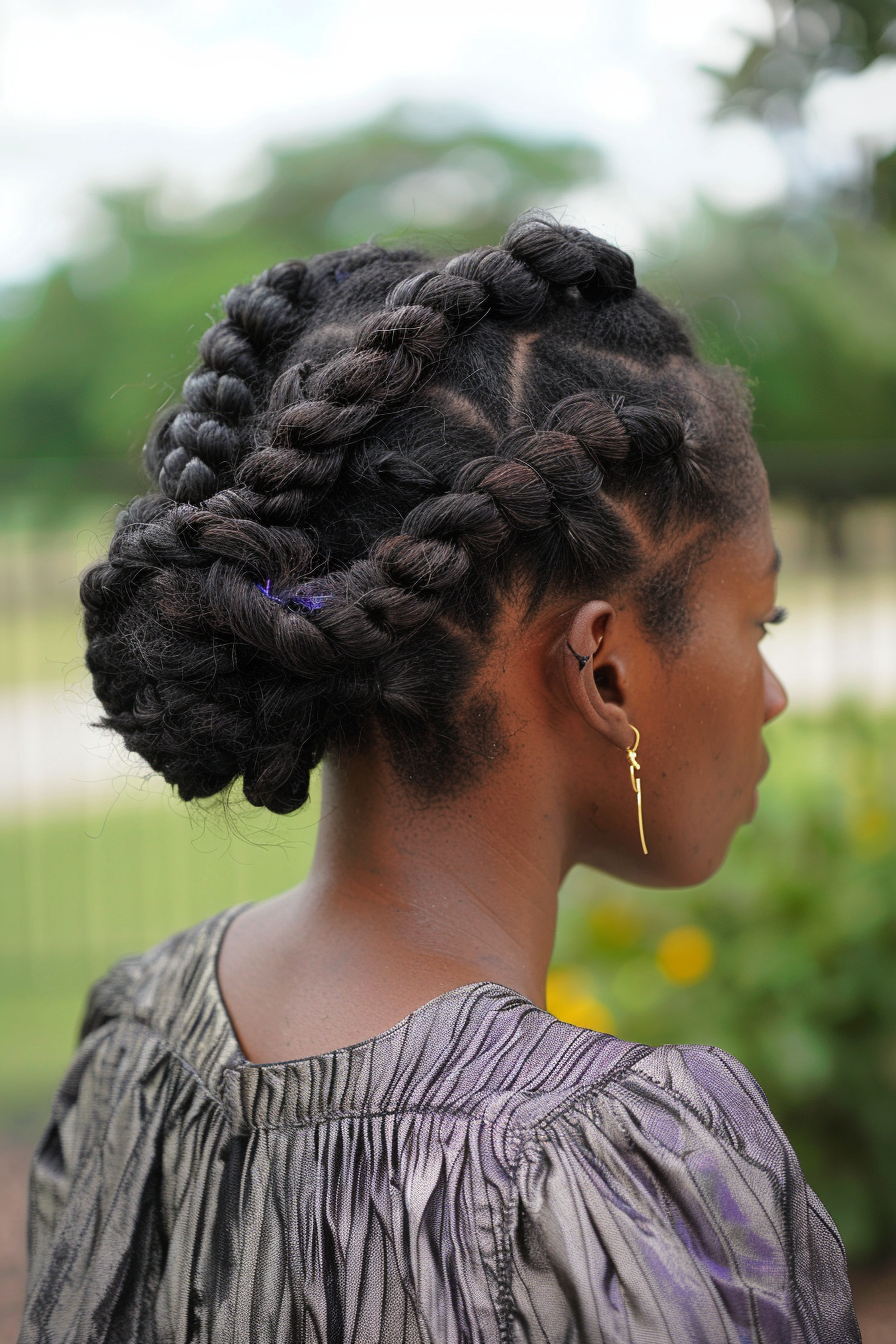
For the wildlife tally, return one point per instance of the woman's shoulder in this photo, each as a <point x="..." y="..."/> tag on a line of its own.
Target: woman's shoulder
<point x="702" y="1086"/>
<point x="166" y="989"/>
<point x="674" y="1170"/>
<point x="553" y="1075"/>
<point x="690" y="1119"/>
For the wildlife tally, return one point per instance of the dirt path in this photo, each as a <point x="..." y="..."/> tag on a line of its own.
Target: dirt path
<point x="875" y="1294"/>
<point x="875" y="1299"/>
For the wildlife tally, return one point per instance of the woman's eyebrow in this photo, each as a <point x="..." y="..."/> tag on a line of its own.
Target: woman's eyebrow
<point x="775" y="566"/>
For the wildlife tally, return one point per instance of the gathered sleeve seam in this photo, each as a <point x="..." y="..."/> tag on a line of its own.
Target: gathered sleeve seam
<point x="94" y="1041"/>
<point x="542" y="1133"/>
<point x="540" y="1130"/>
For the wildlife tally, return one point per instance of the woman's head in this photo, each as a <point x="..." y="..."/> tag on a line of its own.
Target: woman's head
<point x="379" y="461"/>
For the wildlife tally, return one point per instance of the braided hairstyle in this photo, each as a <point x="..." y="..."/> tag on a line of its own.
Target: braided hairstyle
<point x="374" y="448"/>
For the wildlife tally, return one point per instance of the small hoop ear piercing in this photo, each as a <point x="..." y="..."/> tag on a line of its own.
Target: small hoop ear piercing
<point x="633" y="765"/>
<point x="583" y="659"/>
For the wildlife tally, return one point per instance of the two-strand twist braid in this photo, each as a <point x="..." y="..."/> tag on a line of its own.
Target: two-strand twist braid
<point x="313" y="421"/>
<point x="540" y="488"/>
<point x="194" y="449"/>
<point x="310" y="422"/>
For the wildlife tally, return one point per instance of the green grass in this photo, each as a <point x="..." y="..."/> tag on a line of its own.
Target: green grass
<point x="79" y="892"/>
<point x="40" y="616"/>
<point x="40" y="646"/>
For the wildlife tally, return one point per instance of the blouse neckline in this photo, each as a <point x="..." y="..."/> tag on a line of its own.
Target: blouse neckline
<point x="239" y="1060"/>
<point x="415" y="1064"/>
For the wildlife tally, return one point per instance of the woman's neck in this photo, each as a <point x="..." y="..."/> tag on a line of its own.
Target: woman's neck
<point x="402" y="903"/>
<point x="471" y="881"/>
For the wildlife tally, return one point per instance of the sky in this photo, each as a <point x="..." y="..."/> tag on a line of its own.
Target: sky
<point x="103" y="94"/>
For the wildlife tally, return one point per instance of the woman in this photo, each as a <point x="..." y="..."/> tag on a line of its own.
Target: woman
<point x="487" y="540"/>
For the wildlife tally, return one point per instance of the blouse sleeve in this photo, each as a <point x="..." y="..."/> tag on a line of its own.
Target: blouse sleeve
<point x="668" y="1205"/>
<point x="64" y="1213"/>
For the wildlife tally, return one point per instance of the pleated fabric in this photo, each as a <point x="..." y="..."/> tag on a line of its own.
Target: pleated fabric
<point x="480" y="1173"/>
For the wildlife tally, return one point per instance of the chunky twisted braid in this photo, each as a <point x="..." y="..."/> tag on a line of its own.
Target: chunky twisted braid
<point x="193" y="449"/>
<point x="314" y="421"/>
<point x="372" y="451"/>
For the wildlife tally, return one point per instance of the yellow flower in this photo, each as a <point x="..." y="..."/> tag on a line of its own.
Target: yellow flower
<point x="569" y="997"/>
<point x="685" y="955"/>
<point x="873" y="829"/>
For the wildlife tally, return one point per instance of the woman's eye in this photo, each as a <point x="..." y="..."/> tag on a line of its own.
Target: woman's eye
<point x="778" y="617"/>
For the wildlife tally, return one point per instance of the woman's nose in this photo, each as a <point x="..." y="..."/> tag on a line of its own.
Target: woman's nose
<point x="775" y="694"/>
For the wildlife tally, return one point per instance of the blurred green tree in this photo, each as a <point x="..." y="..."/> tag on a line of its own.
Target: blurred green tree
<point x="806" y="303"/>
<point x="804" y="295"/>
<point x="87" y="356"/>
<point x="809" y="40"/>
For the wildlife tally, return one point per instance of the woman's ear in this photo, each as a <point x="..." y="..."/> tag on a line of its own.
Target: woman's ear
<point x="593" y="674"/>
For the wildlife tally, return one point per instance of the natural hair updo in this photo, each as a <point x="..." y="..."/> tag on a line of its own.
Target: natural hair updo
<point x="373" y="449"/>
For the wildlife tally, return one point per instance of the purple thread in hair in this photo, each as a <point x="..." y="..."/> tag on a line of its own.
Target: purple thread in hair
<point x="307" y="601"/>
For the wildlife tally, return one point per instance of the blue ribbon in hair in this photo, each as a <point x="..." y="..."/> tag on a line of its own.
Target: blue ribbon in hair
<point x="306" y="601"/>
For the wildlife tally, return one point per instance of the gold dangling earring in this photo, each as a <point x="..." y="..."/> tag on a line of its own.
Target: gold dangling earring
<point x="633" y="765"/>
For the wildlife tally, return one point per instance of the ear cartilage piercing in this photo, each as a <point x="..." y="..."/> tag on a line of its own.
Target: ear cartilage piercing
<point x="633" y="765"/>
<point x="583" y="659"/>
